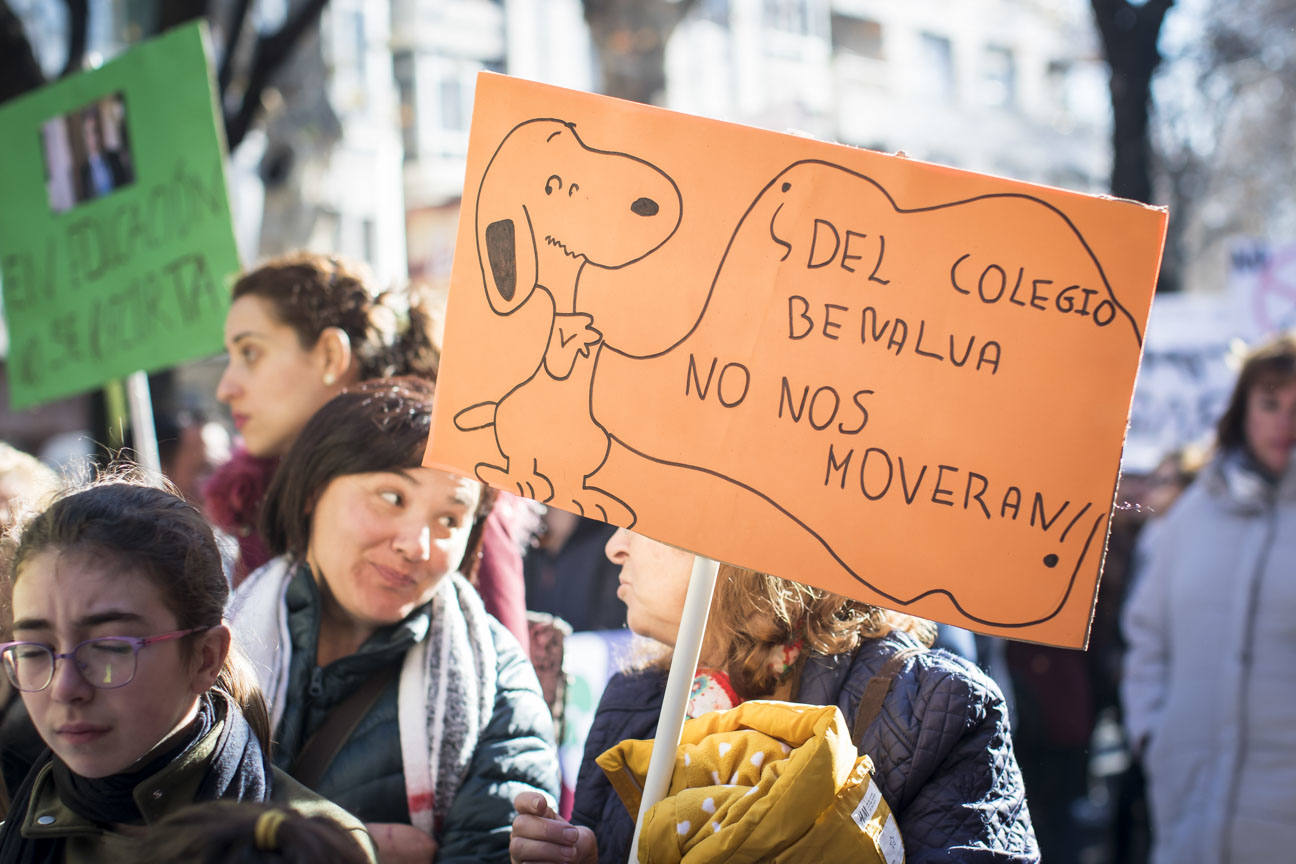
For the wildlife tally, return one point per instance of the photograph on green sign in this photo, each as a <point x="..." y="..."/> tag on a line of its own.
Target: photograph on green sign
<point x="87" y="153"/>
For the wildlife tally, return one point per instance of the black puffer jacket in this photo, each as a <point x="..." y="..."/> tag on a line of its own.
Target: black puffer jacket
<point x="940" y="746"/>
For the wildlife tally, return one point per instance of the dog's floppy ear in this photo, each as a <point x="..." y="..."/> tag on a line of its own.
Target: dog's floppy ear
<point x="505" y="247"/>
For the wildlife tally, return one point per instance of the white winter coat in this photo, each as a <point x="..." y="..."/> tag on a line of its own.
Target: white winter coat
<point x="1210" y="676"/>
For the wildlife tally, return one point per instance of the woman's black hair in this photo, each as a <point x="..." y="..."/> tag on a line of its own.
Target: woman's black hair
<point x="378" y="425"/>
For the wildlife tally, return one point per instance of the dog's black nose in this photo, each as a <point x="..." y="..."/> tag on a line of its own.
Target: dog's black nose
<point x="644" y="207"/>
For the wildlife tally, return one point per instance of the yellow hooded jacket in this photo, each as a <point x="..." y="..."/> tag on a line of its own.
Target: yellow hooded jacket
<point x="766" y="781"/>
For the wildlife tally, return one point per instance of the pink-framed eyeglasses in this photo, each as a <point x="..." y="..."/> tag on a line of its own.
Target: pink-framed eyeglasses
<point x="106" y="662"/>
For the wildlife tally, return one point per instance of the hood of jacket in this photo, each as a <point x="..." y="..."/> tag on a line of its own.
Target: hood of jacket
<point x="765" y="781"/>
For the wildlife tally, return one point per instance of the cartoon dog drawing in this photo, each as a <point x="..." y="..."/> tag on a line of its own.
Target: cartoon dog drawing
<point x="547" y="207"/>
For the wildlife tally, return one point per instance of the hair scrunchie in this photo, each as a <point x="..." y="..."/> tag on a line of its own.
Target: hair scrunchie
<point x="266" y="833"/>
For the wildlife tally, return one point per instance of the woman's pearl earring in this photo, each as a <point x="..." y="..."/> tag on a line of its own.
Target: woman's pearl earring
<point x="329" y="379"/>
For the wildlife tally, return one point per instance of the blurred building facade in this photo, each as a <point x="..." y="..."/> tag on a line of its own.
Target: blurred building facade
<point x="1010" y="87"/>
<point x="371" y="164"/>
<point x="330" y="157"/>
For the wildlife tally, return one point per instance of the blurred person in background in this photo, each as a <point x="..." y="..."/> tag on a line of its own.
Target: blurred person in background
<point x="27" y="485"/>
<point x="1141" y="500"/>
<point x="25" y="482"/>
<point x="568" y="574"/>
<point x="102" y="170"/>
<point x="189" y="449"/>
<point x="299" y="330"/>
<point x="1084" y="803"/>
<point x="1211" y="625"/>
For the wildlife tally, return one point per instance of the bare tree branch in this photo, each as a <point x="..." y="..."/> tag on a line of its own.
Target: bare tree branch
<point x="268" y="55"/>
<point x="630" y="40"/>
<point x="1129" y="35"/>
<point x="232" y="33"/>
<point x="19" y="71"/>
<point x="78" y="18"/>
<point x="172" y="13"/>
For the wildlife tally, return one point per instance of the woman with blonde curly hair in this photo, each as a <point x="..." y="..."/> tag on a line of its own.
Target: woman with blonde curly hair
<point x="934" y="725"/>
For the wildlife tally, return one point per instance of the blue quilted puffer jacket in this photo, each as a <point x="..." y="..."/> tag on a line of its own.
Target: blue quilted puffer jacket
<point x="940" y="746"/>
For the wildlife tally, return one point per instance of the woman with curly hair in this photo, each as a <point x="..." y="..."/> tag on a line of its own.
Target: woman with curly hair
<point x="934" y="725"/>
<point x="300" y="329"/>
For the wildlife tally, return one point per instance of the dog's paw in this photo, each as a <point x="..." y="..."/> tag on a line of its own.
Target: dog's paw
<point x="531" y="484"/>
<point x="597" y="504"/>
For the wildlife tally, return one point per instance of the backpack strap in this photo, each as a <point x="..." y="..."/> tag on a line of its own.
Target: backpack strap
<point x="875" y="693"/>
<point x="319" y="751"/>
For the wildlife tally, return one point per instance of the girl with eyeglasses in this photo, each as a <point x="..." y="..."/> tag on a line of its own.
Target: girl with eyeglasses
<point x="125" y="668"/>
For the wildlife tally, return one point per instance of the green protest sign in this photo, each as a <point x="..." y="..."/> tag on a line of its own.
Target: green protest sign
<point x="115" y="234"/>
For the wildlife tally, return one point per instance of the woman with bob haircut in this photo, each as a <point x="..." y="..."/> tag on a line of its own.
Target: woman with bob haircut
<point x="939" y="739"/>
<point x="1207" y="690"/>
<point x="365" y="615"/>
<point x="300" y="329"/>
<point x="125" y="669"/>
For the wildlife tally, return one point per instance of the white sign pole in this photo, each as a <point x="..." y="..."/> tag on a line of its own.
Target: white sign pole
<point x="670" y="723"/>
<point x="143" y="432"/>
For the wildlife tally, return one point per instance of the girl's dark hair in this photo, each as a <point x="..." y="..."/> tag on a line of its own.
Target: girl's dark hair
<point x="225" y="832"/>
<point x="390" y="333"/>
<point x="127" y="525"/>
<point x="379" y="425"/>
<point x="1269" y="365"/>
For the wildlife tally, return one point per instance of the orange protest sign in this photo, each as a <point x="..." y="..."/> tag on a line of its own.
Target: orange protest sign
<point x="899" y="381"/>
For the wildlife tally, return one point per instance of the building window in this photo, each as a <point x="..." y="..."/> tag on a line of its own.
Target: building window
<point x="790" y="16"/>
<point x="999" y="77"/>
<point x="368" y="238"/>
<point x="936" y="72"/>
<point x="452" y="105"/>
<point x="360" y="47"/>
<point x="1057" y="81"/>
<point x="861" y="36"/>
<point x="403" y="72"/>
<point x="715" y="11"/>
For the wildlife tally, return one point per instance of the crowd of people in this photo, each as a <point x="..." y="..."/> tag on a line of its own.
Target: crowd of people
<point x="319" y="649"/>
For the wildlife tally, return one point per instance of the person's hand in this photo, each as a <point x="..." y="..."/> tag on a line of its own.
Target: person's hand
<point x="539" y="834"/>
<point x="401" y="844"/>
